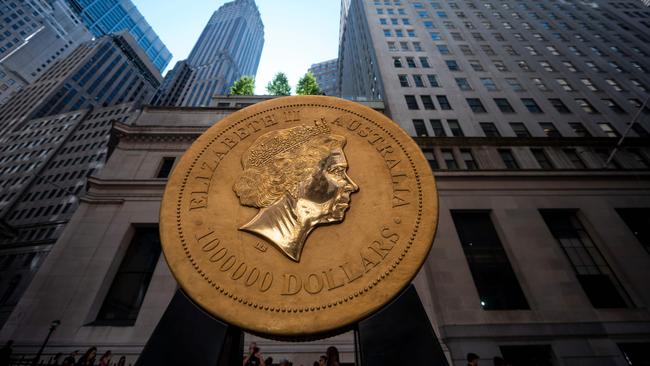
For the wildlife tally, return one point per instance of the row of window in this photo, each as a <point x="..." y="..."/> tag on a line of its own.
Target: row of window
<point x="496" y="282"/>
<point x="453" y="65"/>
<point x="463" y="158"/>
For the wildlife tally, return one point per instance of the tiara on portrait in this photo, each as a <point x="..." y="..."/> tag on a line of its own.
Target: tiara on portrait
<point x="263" y="153"/>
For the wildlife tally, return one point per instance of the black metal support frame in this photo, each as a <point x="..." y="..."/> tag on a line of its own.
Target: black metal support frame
<point x="398" y="334"/>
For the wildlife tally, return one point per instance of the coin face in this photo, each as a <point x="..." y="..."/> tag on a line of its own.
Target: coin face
<point x="298" y="216"/>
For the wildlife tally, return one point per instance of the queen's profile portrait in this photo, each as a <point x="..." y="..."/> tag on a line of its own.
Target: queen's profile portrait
<point x="298" y="179"/>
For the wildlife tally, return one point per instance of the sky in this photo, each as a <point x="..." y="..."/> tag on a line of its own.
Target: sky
<point x="297" y="33"/>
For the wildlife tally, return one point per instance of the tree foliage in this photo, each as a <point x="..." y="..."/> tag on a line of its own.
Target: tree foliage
<point x="279" y="85"/>
<point x="244" y="86"/>
<point x="307" y="85"/>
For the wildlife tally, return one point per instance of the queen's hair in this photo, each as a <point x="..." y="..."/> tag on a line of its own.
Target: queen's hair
<point x="261" y="185"/>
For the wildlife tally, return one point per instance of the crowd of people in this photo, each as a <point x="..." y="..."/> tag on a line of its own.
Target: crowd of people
<point x="89" y="358"/>
<point x="254" y="358"/>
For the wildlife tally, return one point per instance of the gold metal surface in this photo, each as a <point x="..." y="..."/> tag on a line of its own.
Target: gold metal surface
<point x="298" y="216"/>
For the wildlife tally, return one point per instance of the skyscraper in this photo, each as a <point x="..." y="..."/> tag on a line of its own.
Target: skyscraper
<point x="35" y="35"/>
<point x="44" y="168"/>
<point x="107" y="71"/>
<point x="229" y="47"/>
<point x="518" y="106"/>
<point x="104" y="17"/>
<point x="326" y="74"/>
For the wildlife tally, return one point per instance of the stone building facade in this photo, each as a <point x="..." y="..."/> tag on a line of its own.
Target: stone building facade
<point x="43" y="172"/>
<point x="326" y="74"/>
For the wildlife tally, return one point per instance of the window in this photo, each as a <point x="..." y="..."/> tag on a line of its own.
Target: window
<point x="613" y="106"/>
<point x="443" y="49"/>
<point x="539" y="83"/>
<point x="490" y="129"/>
<point x="448" y="157"/>
<point x="476" y="105"/>
<point x="524" y="66"/>
<point x="444" y="102"/>
<point x="420" y="128"/>
<point x="452" y="65"/>
<point x="403" y="81"/>
<point x="543" y="160"/>
<point x="514" y="84"/>
<point x="410" y="62"/>
<point x="559" y="106"/>
<point x="591" y="268"/>
<point x="165" y="167"/>
<point x="455" y="128"/>
<point x="638" y="220"/>
<point x="468" y="158"/>
<point x="575" y="159"/>
<point x="417" y="79"/>
<point x="607" y="129"/>
<point x="504" y="105"/>
<point x="531" y="105"/>
<point x="495" y="281"/>
<point x="436" y="126"/>
<point x="435" y="36"/>
<point x="397" y="62"/>
<point x="411" y="102"/>
<point x="129" y="287"/>
<point x="500" y="66"/>
<point x="463" y="84"/>
<point x="427" y="102"/>
<point x="549" y="129"/>
<point x="579" y="129"/>
<point x="430" y="155"/>
<point x="508" y="159"/>
<point x="538" y="355"/>
<point x="433" y="81"/>
<point x="520" y="130"/>
<point x="10" y="290"/>
<point x="489" y="84"/>
<point x="476" y="65"/>
<point x="565" y="84"/>
<point x="589" y="84"/>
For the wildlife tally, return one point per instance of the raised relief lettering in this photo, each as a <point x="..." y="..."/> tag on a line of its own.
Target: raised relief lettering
<point x="292" y="115"/>
<point x="261" y="246"/>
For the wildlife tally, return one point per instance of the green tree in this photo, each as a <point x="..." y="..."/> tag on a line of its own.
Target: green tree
<point x="307" y="85"/>
<point x="279" y="85"/>
<point x="244" y="86"/>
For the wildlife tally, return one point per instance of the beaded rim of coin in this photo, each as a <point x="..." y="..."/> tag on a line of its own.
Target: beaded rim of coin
<point x="306" y="319"/>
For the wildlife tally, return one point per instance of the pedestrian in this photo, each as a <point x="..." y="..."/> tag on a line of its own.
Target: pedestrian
<point x="332" y="356"/>
<point x="106" y="358"/>
<point x="88" y="358"/>
<point x="5" y="353"/>
<point x="71" y="360"/>
<point x="122" y="361"/>
<point x="254" y="357"/>
<point x="472" y="359"/>
<point x="268" y="361"/>
<point x="284" y="362"/>
<point x="322" y="361"/>
<point x="55" y="360"/>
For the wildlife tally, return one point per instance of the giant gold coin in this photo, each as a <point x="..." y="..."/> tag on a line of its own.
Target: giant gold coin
<point x="298" y="216"/>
